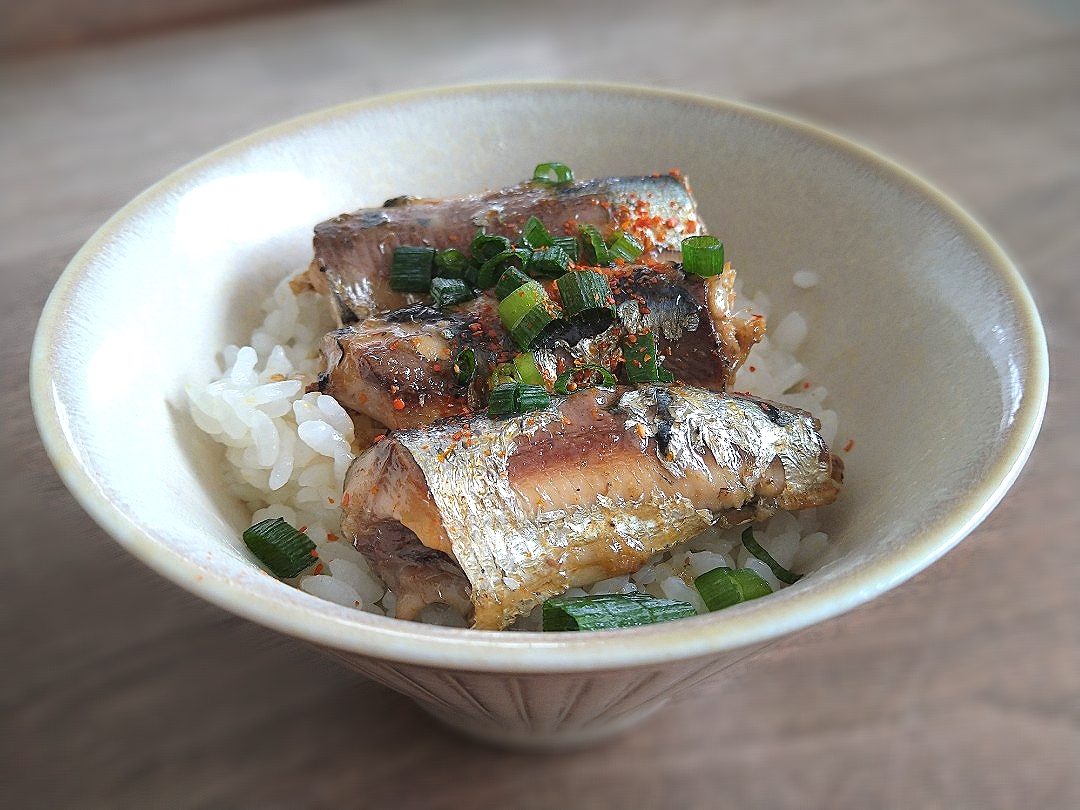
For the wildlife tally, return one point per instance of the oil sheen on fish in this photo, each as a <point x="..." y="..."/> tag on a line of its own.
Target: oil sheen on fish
<point x="498" y="515"/>
<point x="398" y="369"/>
<point x="354" y="252"/>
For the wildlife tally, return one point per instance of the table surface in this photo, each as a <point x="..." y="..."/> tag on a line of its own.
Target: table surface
<point x="960" y="688"/>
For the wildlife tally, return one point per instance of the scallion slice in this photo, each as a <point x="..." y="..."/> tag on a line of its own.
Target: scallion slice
<point x="623" y="246"/>
<point x="448" y="291"/>
<point x="465" y="366"/>
<point x="486" y="245"/>
<point x="526" y="312"/>
<point x="569" y="244"/>
<point x="584" y="292"/>
<point x="494" y="267"/>
<point x="527" y="369"/>
<point x="552" y="174"/>
<point x="535" y="234"/>
<point x="566" y="382"/>
<point x="502" y="374"/>
<point x="510" y="280"/>
<point x="548" y="261"/>
<point x="755" y="548"/>
<point x="724" y="587"/>
<point x="451" y="263"/>
<point x="595" y="252"/>
<point x="703" y="255"/>
<point x="280" y="547"/>
<point x="642" y="365"/>
<point x="512" y="399"/>
<point x="611" y="610"/>
<point x="411" y="268"/>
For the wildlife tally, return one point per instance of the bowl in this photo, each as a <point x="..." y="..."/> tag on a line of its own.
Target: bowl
<point x="921" y="328"/>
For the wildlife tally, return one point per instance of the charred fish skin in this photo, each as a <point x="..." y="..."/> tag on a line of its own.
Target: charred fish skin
<point x="399" y="369"/>
<point x="353" y="252"/>
<point x="590" y="487"/>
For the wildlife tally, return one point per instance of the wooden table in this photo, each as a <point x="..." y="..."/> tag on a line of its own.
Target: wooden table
<point x="961" y="688"/>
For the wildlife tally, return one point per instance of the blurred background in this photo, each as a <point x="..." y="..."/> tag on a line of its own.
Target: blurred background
<point x="961" y="688"/>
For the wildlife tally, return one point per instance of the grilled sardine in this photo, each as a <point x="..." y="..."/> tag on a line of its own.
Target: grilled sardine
<point x="498" y="515"/>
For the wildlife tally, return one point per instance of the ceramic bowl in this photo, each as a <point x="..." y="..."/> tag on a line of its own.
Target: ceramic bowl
<point x="921" y="328"/>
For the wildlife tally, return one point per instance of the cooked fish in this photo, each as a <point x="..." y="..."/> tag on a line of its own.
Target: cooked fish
<point x="498" y="515"/>
<point x="354" y="252"/>
<point x="399" y="368"/>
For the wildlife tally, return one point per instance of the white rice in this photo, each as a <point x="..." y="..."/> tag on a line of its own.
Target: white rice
<point x="287" y="453"/>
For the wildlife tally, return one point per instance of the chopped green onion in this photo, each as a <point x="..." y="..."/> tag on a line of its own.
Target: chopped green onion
<point x="548" y="261"/>
<point x="448" y="291"/>
<point x="584" y="292"/>
<point x="552" y="174"/>
<point x="486" y="245"/>
<point x="527" y="369"/>
<point x="512" y="399"/>
<point x="642" y="365"/>
<point x="451" y="263"/>
<point x="526" y="312"/>
<point x="624" y="246"/>
<point x="724" y="587"/>
<point x="752" y="545"/>
<point x="596" y="252"/>
<point x="494" y="267"/>
<point x="280" y="547"/>
<point x="565" y="380"/>
<point x="502" y="374"/>
<point x="535" y="235"/>
<point x="510" y="280"/>
<point x="611" y="610"/>
<point x="569" y="244"/>
<point x="465" y="367"/>
<point x="703" y="255"/>
<point x="411" y="268"/>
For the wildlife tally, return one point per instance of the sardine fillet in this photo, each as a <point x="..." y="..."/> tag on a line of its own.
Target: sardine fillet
<point x="587" y="489"/>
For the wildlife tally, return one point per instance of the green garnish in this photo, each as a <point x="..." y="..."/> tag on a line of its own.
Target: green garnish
<point x="624" y="246"/>
<point x="526" y="312"/>
<point x="451" y="263"/>
<point x="569" y="245"/>
<point x="596" y="252"/>
<point x="448" y="291"/>
<point x="548" y="261"/>
<point x="280" y="547"/>
<point x="586" y="293"/>
<point x="411" y="268"/>
<point x="510" y="280"/>
<point x="527" y="369"/>
<point x="493" y="268"/>
<point x="564" y="381"/>
<point x="465" y="367"/>
<point x="487" y="245"/>
<point x="552" y="174"/>
<point x="703" y="255"/>
<point x="781" y="573"/>
<point x="642" y="365"/>
<point x="610" y="611"/>
<point x="513" y="399"/>
<point x="535" y="235"/>
<point x="724" y="587"/>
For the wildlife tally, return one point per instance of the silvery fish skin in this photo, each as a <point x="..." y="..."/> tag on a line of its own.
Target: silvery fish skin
<point x="398" y="369"/>
<point x="502" y="514"/>
<point x="354" y="251"/>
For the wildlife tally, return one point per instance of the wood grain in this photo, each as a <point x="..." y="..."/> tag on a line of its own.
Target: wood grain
<point x="956" y="689"/>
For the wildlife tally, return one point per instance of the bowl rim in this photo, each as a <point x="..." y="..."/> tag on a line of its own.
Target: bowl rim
<point x="522" y="653"/>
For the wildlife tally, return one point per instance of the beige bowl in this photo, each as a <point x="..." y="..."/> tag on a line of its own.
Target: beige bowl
<point x="921" y="328"/>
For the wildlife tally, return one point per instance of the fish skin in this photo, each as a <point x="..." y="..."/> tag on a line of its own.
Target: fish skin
<point x="353" y="252"/>
<point x="587" y="489"/>
<point x="408" y="355"/>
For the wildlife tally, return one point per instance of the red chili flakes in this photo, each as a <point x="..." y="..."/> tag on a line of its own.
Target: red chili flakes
<point x="318" y="569"/>
<point x="399" y="404"/>
<point x="393" y="389"/>
<point x="641" y="432"/>
<point x="345" y="501"/>
<point x="751" y="369"/>
<point x="849" y="445"/>
<point x="374" y="490"/>
<point x="302" y="529"/>
<point x="315" y="553"/>
<point x="437" y="368"/>
<point x="378" y="438"/>
<point x="330" y="500"/>
<point x="393" y="345"/>
<point x="331" y="537"/>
